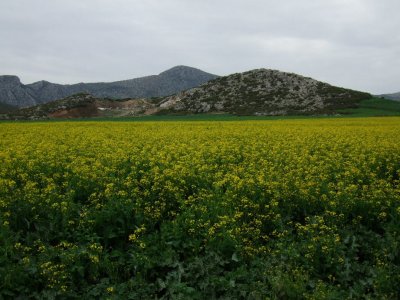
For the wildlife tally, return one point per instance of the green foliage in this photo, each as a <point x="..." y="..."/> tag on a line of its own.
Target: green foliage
<point x="295" y="209"/>
<point x="375" y="107"/>
<point x="6" y="108"/>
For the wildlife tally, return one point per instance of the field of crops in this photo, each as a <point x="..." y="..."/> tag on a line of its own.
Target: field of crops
<point x="290" y="209"/>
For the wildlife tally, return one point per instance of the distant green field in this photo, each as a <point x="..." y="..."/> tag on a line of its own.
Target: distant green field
<point x="368" y="108"/>
<point x="375" y="107"/>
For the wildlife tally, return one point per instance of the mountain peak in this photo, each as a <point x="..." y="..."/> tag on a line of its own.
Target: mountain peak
<point x="174" y="80"/>
<point x="182" y="70"/>
<point x="9" y="80"/>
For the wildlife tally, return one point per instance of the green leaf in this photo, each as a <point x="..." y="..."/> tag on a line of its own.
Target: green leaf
<point x="234" y="257"/>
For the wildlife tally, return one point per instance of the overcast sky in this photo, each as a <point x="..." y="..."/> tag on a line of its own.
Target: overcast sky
<point x="350" y="43"/>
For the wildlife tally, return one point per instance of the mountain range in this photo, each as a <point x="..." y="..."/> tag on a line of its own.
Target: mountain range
<point x="256" y="92"/>
<point x="176" y="79"/>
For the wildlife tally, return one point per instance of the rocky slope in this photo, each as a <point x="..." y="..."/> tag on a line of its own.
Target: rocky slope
<point x="84" y="105"/>
<point x="262" y="92"/>
<point x="179" y="78"/>
<point x="13" y="92"/>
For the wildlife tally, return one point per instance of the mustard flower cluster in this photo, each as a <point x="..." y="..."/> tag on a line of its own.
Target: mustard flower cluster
<point x="291" y="209"/>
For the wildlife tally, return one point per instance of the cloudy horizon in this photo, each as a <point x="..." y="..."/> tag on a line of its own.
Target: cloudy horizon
<point x="353" y="43"/>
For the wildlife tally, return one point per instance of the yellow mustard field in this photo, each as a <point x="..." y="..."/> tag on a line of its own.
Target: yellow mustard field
<point x="291" y="209"/>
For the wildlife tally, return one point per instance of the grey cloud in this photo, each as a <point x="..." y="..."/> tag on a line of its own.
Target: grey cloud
<point x="351" y="43"/>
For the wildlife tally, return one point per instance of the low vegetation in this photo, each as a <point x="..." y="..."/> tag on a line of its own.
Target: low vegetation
<point x="6" y="108"/>
<point x="293" y="209"/>
<point x="374" y="107"/>
<point x="84" y="105"/>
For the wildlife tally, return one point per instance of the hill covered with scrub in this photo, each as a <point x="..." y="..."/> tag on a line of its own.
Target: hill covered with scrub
<point x="263" y="92"/>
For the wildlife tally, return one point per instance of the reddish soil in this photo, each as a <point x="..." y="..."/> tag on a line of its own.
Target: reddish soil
<point x="89" y="110"/>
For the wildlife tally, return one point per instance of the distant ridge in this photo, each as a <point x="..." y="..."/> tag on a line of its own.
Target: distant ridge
<point x="171" y="81"/>
<point x="393" y="96"/>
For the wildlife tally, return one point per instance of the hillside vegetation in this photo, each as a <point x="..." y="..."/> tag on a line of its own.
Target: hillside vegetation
<point x="5" y="108"/>
<point x="374" y="107"/>
<point x="263" y="92"/>
<point x="84" y="105"/>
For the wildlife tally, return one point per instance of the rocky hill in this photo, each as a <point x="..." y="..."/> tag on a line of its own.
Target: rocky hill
<point x="84" y="105"/>
<point x="394" y="96"/>
<point x="174" y="80"/>
<point x="262" y="92"/>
